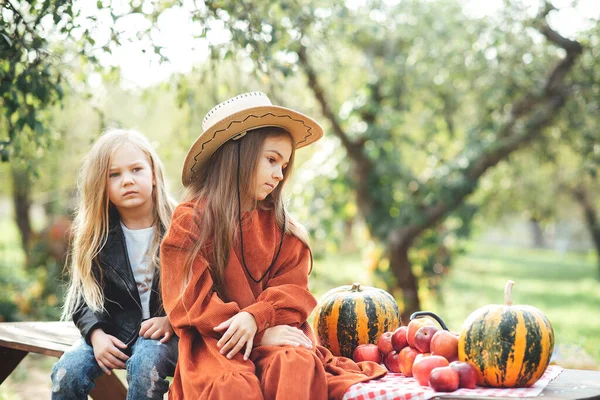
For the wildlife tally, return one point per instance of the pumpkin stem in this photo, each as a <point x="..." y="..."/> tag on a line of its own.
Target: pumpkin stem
<point x="355" y="287"/>
<point x="508" y="293"/>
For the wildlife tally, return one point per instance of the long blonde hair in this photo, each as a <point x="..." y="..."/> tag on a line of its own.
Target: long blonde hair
<point x="91" y="222"/>
<point x="215" y="194"/>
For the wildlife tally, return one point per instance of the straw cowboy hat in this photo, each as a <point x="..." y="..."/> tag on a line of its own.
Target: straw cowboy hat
<point x="233" y="118"/>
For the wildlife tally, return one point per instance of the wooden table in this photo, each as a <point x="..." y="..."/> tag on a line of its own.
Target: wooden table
<point x="17" y="339"/>
<point x="570" y="384"/>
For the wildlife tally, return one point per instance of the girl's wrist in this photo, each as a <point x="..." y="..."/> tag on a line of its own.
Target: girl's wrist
<point x="95" y="333"/>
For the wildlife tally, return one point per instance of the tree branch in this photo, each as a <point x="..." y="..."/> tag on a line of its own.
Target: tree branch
<point x="513" y="134"/>
<point x="14" y="9"/>
<point x="362" y="165"/>
<point x="354" y="150"/>
<point x="573" y="49"/>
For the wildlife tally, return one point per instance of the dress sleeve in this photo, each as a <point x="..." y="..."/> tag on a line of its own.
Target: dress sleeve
<point x="196" y="305"/>
<point x="286" y="299"/>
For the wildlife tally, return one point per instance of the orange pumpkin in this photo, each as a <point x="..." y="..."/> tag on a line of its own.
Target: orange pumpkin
<point x="509" y="345"/>
<point x="351" y="315"/>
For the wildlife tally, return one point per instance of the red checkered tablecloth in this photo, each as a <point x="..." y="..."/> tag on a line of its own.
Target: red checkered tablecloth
<point x="398" y="387"/>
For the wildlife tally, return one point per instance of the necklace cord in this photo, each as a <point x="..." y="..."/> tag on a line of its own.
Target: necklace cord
<point x="240" y="225"/>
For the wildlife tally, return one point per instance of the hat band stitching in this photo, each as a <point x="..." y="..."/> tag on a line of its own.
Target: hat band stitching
<point x="309" y="128"/>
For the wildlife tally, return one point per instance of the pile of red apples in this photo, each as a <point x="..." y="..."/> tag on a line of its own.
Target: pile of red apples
<point x="423" y="351"/>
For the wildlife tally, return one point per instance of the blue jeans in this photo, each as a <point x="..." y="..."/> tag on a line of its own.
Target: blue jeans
<point x="149" y="364"/>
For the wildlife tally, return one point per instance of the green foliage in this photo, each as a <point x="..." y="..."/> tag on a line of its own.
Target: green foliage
<point x="30" y="292"/>
<point x="30" y="79"/>
<point x="423" y="100"/>
<point x="39" y="42"/>
<point x="539" y="184"/>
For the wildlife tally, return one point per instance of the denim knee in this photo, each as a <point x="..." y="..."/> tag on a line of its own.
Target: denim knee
<point x="74" y="373"/>
<point x="149" y="365"/>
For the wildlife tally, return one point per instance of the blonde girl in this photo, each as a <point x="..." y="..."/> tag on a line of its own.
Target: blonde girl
<point x="114" y="295"/>
<point x="236" y="264"/>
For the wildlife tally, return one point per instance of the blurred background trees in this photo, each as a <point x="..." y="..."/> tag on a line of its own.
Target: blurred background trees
<point x="424" y="112"/>
<point x="439" y="121"/>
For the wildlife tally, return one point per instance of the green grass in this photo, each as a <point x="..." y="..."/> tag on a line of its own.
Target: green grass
<point x="564" y="287"/>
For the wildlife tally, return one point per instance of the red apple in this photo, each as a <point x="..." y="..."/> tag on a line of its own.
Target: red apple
<point x="385" y="343"/>
<point x="392" y="361"/>
<point x="424" y="364"/>
<point x="402" y="355"/>
<point x="367" y="352"/>
<point x="467" y="374"/>
<point x="413" y="327"/>
<point x="399" y="338"/>
<point x="408" y="360"/>
<point x="445" y="344"/>
<point x="423" y="338"/>
<point x="443" y="379"/>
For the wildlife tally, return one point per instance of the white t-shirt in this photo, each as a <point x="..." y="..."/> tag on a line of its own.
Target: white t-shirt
<point x="138" y="242"/>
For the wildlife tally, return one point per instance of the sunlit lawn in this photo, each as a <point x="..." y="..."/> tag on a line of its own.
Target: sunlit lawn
<point x="564" y="287"/>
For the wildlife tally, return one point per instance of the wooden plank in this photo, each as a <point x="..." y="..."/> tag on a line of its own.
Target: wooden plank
<point x="58" y="332"/>
<point x="10" y="359"/>
<point x="51" y="338"/>
<point x="574" y="384"/>
<point x="48" y="338"/>
<point x="33" y="346"/>
<point x="108" y="387"/>
<point x="569" y="385"/>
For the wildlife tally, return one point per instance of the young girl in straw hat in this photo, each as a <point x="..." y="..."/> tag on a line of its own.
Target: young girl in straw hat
<point x="114" y="297"/>
<point x="236" y="264"/>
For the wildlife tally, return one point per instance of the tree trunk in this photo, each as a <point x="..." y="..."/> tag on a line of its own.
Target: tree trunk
<point x="537" y="235"/>
<point x="399" y="244"/>
<point x="22" y="203"/>
<point x="348" y="245"/>
<point x="526" y="120"/>
<point x="591" y="218"/>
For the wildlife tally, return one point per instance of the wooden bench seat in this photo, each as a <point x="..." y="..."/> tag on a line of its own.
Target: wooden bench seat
<point x="17" y="339"/>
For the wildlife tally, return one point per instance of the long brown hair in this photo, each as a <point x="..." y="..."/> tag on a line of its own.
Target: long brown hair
<point x="91" y="223"/>
<point x="215" y="194"/>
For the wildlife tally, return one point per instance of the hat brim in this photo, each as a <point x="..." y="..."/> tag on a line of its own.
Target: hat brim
<point x="303" y="129"/>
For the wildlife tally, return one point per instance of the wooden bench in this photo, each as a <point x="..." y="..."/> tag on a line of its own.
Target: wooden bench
<point x="17" y="339"/>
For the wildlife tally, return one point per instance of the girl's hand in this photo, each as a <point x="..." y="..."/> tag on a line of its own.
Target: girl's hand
<point x="239" y="332"/>
<point x="284" y="335"/>
<point x="156" y="327"/>
<point x="106" y="351"/>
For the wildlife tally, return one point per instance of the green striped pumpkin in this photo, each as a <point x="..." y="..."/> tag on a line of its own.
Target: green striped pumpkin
<point x="509" y="345"/>
<point x="348" y="316"/>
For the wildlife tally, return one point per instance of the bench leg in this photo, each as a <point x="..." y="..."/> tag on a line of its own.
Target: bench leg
<point x="10" y="359"/>
<point x="108" y="387"/>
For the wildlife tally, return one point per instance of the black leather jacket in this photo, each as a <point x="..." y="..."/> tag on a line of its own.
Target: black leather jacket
<point x="123" y="311"/>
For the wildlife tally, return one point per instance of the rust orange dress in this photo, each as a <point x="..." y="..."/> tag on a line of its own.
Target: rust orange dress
<point x="282" y="297"/>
